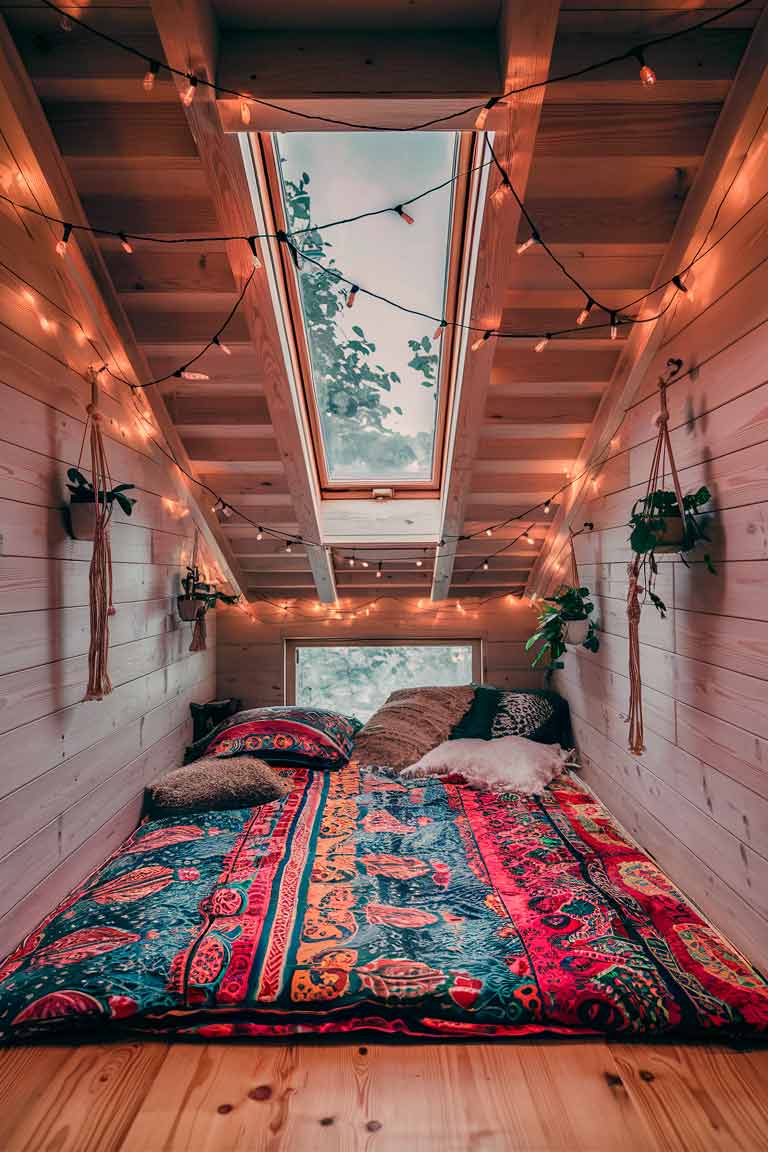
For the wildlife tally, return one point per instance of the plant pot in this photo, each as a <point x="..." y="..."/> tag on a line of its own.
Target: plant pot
<point x="673" y="538"/>
<point x="576" y="632"/>
<point x="82" y="519"/>
<point x="189" y="606"/>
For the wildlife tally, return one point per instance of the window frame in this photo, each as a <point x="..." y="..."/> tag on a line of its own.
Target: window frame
<point x="460" y="247"/>
<point x="291" y="646"/>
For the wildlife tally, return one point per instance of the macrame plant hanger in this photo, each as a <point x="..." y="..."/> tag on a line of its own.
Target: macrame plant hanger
<point x="199" y="632"/>
<point x="663" y="461"/>
<point x="100" y="574"/>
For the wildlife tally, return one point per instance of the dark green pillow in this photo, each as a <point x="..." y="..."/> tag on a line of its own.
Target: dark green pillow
<point x="476" y="723"/>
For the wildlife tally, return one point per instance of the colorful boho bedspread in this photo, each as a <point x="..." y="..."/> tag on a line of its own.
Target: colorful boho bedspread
<point x="368" y="904"/>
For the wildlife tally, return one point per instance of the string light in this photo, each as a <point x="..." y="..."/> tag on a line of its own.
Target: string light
<point x="150" y="76"/>
<point x="440" y="329"/>
<point x="188" y="94"/>
<point x="614" y="326"/>
<point x="419" y="563"/>
<point x="528" y="538"/>
<point x="541" y="344"/>
<point x="254" y="254"/>
<point x="482" y="117"/>
<point x="260" y="533"/>
<point x="647" y="74"/>
<point x="352" y="295"/>
<point x="378" y="571"/>
<point x="125" y="243"/>
<point x="406" y="216"/>
<point x="351" y="561"/>
<point x="224" y="347"/>
<point x="245" y="112"/>
<point x="61" y="247"/>
<point x="365" y="563"/>
<point x="185" y="374"/>
<point x="478" y="343"/>
<point x="289" y="548"/>
<point x="583" y="316"/>
<point x="489" y="532"/>
<point x="534" y="238"/>
<point x="547" y="504"/>
<point x="502" y="191"/>
<point x="486" y="565"/>
<point x="686" y="288"/>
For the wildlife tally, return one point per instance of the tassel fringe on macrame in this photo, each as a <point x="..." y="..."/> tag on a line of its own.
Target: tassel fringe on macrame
<point x="100" y="574"/>
<point x="662" y="460"/>
<point x="199" y="633"/>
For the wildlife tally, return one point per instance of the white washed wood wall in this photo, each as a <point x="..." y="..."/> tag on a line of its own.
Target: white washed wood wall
<point x="250" y="662"/>
<point x="73" y="773"/>
<point x="697" y="799"/>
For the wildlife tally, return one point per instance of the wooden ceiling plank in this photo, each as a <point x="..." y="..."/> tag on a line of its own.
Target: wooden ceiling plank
<point x="527" y="35"/>
<point x="25" y="125"/>
<point x="732" y="134"/>
<point x="189" y="36"/>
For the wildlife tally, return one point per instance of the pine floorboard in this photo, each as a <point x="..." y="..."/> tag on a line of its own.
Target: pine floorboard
<point x="531" y="1097"/>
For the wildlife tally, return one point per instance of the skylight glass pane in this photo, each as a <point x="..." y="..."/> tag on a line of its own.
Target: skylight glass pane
<point x="375" y="370"/>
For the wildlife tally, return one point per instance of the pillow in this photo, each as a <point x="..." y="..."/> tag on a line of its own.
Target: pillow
<point x="211" y="783"/>
<point x="285" y="734"/>
<point x="537" y="714"/>
<point x="412" y="721"/>
<point x="509" y="764"/>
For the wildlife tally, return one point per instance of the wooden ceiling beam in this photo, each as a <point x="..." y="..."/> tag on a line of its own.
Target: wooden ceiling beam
<point x="735" y="128"/>
<point x="526" y="39"/>
<point x="89" y="288"/>
<point x="189" y="37"/>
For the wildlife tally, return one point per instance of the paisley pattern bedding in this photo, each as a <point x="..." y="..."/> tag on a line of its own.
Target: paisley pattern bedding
<point x="362" y="903"/>
<point x="283" y="734"/>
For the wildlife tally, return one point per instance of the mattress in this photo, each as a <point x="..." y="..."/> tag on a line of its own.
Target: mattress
<point x="361" y="904"/>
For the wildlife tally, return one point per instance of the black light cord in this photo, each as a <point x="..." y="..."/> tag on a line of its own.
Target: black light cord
<point x="200" y="81"/>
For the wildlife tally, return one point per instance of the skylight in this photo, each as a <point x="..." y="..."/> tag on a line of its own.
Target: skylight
<point x="374" y="397"/>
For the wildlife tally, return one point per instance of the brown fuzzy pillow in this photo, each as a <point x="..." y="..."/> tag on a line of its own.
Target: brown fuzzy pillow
<point x="411" y="723"/>
<point x="216" y="783"/>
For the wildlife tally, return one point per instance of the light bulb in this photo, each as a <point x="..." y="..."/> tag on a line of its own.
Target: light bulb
<point x="226" y="511"/>
<point x="61" y="247"/>
<point x="188" y="94"/>
<point x="647" y="74"/>
<point x="254" y="253"/>
<point x="486" y="565"/>
<point x="406" y="216"/>
<point x="541" y="344"/>
<point x="378" y="572"/>
<point x="365" y="563"/>
<point x="529" y="539"/>
<point x="288" y="549"/>
<point x="185" y="374"/>
<point x="489" y="532"/>
<point x="439" y="330"/>
<point x="614" y="326"/>
<point x="150" y="76"/>
<point x="224" y="347"/>
<point x="352" y="295"/>
<point x="259" y="535"/>
<point x="482" y="116"/>
<point x="419" y="563"/>
<point x="534" y="238"/>
<point x="27" y="296"/>
<point x="681" y="287"/>
<point x="351" y="561"/>
<point x="583" y="316"/>
<point x="547" y="507"/>
<point x="125" y="244"/>
<point x="478" y="343"/>
<point x="245" y="112"/>
<point x="500" y="194"/>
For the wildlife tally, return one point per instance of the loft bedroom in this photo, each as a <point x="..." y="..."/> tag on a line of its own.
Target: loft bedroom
<point x="383" y="645"/>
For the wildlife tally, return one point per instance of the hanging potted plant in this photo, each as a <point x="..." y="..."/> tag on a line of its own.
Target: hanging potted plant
<point x="82" y="503"/>
<point x="193" y="599"/>
<point x="564" y="621"/>
<point x="660" y="526"/>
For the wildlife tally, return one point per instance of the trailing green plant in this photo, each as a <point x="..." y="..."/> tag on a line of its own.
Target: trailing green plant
<point x="197" y="589"/>
<point x="82" y="492"/>
<point x="658" y="523"/>
<point x="569" y="603"/>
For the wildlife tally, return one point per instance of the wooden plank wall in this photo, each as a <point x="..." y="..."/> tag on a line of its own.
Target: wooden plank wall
<point x="697" y="799"/>
<point x="250" y="662"/>
<point x="73" y="773"/>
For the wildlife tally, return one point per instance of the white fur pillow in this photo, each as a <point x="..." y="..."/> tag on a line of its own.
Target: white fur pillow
<point x="510" y="764"/>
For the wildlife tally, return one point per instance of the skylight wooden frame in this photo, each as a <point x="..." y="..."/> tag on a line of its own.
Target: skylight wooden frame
<point x="264" y="149"/>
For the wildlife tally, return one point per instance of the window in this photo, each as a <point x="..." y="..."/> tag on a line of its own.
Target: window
<point x="357" y="678"/>
<point x="376" y="380"/>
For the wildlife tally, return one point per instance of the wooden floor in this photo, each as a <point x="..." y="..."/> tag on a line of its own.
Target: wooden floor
<point x="547" y="1097"/>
